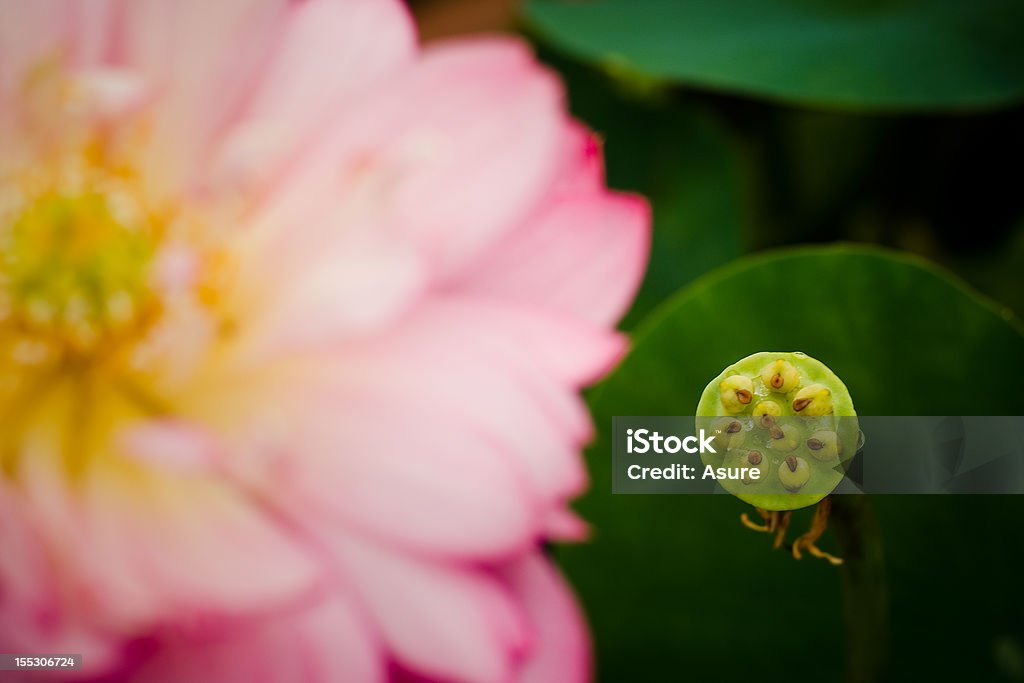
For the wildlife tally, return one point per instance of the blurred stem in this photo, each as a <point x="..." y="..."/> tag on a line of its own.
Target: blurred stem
<point x="865" y="590"/>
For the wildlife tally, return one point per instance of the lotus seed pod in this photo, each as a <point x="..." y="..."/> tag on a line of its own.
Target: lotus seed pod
<point x="824" y="445"/>
<point x="784" y="437"/>
<point x="766" y="412"/>
<point x="813" y="400"/>
<point x="736" y="393"/>
<point x="794" y="473"/>
<point x="823" y="408"/>
<point x="781" y="376"/>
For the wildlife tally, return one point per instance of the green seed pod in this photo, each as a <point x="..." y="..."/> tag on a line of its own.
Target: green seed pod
<point x="798" y="409"/>
<point x="794" y="473"/>
<point x="736" y="393"/>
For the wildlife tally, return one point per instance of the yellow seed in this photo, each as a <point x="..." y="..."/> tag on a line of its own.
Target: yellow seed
<point x="813" y="400"/>
<point x="767" y="411"/>
<point x="729" y="433"/>
<point x="737" y="391"/>
<point x="794" y="473"/>
<point x="824" y="445"/>
<point x="780" y="376"/>
<point x="785" y="438"/>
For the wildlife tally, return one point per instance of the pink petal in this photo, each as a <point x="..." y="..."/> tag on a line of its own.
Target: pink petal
<point x="33" y="39"/>
<point x="330" y="51"/>
<point x="61" y="522"/>
<point x="173" y="445"/>
<point x="574" y="353"/>
<point x="462" y="409"/>
<point x="582" y="166"/>
<point x="182" y="545"/>
<point x="479" y="152"/>
<point x="96" y="24"/>
<point x="388" y="462"/>
<point x="584" y="253"/>
<point x="202" y="60"/>
<point x="320" y="300"/>
<point x="561" y="646"/>
<point x="38" y="611"/>
<point x="30" y="32"/>
<point x="440" y="621"/>
<point x="324" y="643"/>
<point x="565" y="525"/>
<point x="495" y="139"/>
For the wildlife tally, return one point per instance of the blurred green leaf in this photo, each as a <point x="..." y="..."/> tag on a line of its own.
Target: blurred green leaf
<point x="693" y="182"/>
<point x="905" y="338"/>
<point x="879" y="54"/>
<point x="997" y="272"/>
<point x="675" y="587"/>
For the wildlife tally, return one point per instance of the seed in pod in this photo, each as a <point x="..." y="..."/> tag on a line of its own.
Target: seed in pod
<point x="753" y="471"/>
<point x="813" y="401"/>
<point x="766" y="412"/>
<point x="728" y="433"/>
<point x="824" y="445"/>
<point x="737" y="392"/>
<point x="784" y="438"/>
<point x="794" y="473"/>
<point x="780" y="376"/>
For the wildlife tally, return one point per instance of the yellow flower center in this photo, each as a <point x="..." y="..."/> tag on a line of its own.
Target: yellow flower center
<point x="74" y="295"/>
<point x="72" y="275"/>
<point x="114" y="307"/>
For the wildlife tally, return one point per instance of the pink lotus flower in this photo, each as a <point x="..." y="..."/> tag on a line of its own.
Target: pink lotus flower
<point x="293" y="319"/>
